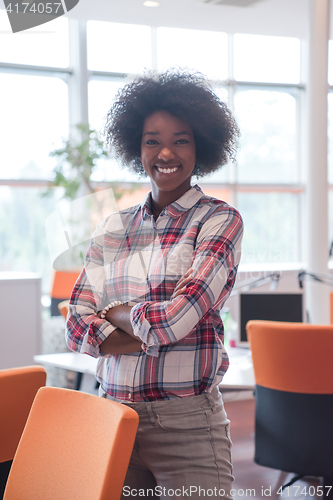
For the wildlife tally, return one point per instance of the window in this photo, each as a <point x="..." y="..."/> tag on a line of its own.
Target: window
<point x="34" y="118"/>
<point x="23" y="245"/>
<point x="221" y="176"/>
<point x="267" y="119"/>
<point x="205" y="51"/>
<point x="101" y="93"/>
<point x="100" y="97"/>
<point x="118" y="48"/>
<point x="45" y="45"/>
<point x="270" y="226"/>
<point x="266" y="59"/>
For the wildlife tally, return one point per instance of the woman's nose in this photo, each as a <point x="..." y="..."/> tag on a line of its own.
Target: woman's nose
<point x="165" y="154"/>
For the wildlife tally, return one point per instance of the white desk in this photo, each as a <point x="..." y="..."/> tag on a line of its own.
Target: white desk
<point x="81" y="363"/>
<point x="239" y="376"/>
<point x="73" y="361"/>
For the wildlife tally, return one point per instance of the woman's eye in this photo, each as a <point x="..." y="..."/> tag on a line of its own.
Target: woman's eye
<point x="151" y="142"/>
<point x="183" y="141"/>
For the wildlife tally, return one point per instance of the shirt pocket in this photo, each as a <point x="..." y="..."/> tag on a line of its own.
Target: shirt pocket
<point x="126" y="279"/>
<point x="179" y="260"/>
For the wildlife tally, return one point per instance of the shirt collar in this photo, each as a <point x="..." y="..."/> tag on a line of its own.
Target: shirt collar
<point x="178" y="207"/>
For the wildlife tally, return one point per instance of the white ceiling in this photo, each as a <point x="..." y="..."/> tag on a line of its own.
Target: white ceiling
<point x="266" y="17"/>
<point x="269" y="17"/>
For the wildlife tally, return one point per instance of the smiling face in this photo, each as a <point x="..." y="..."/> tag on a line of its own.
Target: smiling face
<point x="168" y="156"/>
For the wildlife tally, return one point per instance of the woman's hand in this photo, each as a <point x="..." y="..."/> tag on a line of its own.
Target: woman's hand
<point x="181" y="284"/>
<point x="119" y="342"/>
<point x="120" y="316"/>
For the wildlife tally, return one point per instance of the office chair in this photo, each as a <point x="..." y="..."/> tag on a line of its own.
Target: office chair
<point x="62" y="286"/>
<point x="293" y="371"/>
<point x="75" y="446"/>
<point x="18" y="388"/>
<point x="63" y="308"/>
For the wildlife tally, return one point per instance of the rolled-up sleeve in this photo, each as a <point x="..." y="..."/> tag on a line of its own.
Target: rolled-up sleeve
<point x="85" y="331"/>
<point x="215" y="262"/>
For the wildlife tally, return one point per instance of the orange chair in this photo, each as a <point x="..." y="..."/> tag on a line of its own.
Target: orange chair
<point x="18" y="388"/>
<point x="75" y="446"/>
<point x="293" y="371"/>
<point x="63" y="308"/>
<point x="62" y="286"/>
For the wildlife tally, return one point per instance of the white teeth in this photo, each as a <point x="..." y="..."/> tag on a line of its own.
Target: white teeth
<point x="167" y="170"/>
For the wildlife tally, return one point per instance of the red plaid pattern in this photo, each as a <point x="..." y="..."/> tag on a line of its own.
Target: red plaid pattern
<point x="136" y="260"/>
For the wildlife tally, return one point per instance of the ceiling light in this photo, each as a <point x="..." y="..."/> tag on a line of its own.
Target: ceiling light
<point x="151" y="4"/>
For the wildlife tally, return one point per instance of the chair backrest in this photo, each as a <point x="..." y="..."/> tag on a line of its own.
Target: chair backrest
<point x="75" y="446"/>
<point x="63" y="308"/>
<point x="18" y="388"/>
<point x="295" y="357"/>
<point x="62" y="287"/>
<point x="63" y="284"/>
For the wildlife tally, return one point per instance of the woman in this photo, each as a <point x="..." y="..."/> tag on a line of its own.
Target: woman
<point x="156" y="276"/>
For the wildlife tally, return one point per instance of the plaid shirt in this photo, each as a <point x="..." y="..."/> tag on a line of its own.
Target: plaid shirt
<point x="138" y="261"/>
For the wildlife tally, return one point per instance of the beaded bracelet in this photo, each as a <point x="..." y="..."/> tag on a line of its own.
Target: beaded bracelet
<point x="110" y="306"/>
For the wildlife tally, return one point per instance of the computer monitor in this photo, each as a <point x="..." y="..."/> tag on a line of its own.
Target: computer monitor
<point x="268" y="306"/>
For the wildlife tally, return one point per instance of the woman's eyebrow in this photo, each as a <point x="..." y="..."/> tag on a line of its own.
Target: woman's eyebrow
<point x="184" y="132"/>
<point x="150" y="133"/>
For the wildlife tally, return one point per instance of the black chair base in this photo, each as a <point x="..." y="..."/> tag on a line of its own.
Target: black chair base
<point x="327" y="485"/>
<point x="4" y="472"/>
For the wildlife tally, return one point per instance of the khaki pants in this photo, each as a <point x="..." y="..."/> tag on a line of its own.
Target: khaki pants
<point x="182" y="449"/>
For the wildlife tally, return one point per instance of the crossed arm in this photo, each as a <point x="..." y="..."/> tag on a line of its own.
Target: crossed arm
<point x="123" y="340"/>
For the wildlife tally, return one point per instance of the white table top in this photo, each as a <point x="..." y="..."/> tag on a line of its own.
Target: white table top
<point x="240" y="373"/>
<point x="69" y="361"/>
<point x="239" y="376"/>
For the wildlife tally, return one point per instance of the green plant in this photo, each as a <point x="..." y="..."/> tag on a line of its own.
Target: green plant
<point x="77" y="160"/>
<point x="85" y="204"/>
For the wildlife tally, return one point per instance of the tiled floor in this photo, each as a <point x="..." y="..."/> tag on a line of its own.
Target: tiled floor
<point x="252" y="480"/>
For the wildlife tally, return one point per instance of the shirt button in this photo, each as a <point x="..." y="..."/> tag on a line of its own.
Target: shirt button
<point x="129" y="395"/>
